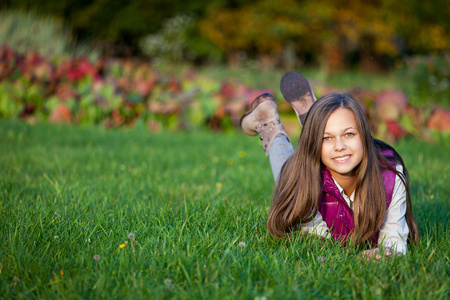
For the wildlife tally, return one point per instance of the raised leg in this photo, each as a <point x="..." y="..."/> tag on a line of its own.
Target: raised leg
<point x="280" y="151"/>
<point x="263" y="118"/>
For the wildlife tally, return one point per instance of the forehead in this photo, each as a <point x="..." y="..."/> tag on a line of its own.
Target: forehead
<point x="341" y="119"/>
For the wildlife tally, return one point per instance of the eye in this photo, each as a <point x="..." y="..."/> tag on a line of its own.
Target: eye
<point x="349" y="134"/>
<point x="327" y="138"/>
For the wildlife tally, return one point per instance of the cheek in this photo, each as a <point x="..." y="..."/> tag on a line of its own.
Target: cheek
<point x="359" y="148"/>
<point x="323" y="153"/>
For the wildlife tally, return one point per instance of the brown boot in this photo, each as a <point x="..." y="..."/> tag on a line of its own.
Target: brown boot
<point x="297" y="91"/>
<point x="263" y="119"/>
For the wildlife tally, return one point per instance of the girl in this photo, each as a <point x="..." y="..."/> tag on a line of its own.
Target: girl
<point x="340" y="182"/>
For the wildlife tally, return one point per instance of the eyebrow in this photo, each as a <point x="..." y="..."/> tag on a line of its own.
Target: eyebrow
<point x="351" y="127"/>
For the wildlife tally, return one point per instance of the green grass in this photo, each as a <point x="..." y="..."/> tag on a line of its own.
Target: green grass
<point x="67" y="194"/>
<point x="346" y="80"/>
<point x="419" y="93"/>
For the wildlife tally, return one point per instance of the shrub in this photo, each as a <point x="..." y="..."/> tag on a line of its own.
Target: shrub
<point x="26" y="32"/>
<point x="430" y="75"/>
<point x="127" y="92"/>
<point x="170" y="43"/>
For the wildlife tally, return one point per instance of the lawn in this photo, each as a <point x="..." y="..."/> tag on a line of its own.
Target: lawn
<point x="197" y="205"/>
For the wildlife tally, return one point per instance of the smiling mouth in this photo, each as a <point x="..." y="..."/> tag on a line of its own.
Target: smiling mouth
<point x="342" y="159"/>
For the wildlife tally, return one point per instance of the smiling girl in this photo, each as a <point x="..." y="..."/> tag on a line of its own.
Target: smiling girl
<point x="340" y="182"/>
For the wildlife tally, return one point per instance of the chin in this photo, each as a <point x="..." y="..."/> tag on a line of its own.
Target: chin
<point x="343" y="171"/>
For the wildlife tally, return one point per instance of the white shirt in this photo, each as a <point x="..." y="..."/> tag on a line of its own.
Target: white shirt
<point x="394" y="230"/>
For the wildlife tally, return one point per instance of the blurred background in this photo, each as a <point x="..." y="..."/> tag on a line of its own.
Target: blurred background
<point x="172" y="64"/>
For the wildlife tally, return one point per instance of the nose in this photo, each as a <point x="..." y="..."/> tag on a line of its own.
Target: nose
<point x="339" y="145"/>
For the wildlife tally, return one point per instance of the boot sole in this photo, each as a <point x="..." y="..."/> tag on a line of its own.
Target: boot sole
<point x="295" y="87"/>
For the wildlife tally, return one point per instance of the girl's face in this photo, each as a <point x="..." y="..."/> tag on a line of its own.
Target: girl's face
<point x="342" y="147"/>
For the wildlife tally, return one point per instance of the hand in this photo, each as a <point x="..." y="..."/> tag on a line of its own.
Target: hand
<point x="372" y="254"/>
<point x="375" y="254"/>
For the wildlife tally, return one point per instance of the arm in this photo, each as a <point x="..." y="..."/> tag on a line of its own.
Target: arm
<point x="394" y="231"/>
<point x="317" y="226"/>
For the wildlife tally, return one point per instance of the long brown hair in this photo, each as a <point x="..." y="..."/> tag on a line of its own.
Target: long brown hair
<point x="299" y="187"/>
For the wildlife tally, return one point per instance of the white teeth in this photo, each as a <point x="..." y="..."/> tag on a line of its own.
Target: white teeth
<point x="342" y="158"/>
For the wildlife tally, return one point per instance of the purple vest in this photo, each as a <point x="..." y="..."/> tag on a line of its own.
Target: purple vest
<point x="335" y="210"/>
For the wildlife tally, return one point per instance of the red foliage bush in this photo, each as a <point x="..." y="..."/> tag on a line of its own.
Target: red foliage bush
<point x="123" y="92"/>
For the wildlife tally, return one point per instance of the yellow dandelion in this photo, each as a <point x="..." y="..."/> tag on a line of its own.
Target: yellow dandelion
<point x="215" y="159"/>
<point x="122" y="246"/>
<point x="242" y="154"/>
<point x="230" y="161"/>
<point x="219" y="186"/>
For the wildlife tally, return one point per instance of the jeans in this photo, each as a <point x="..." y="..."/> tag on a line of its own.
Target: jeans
<point x="280" y="150"/>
